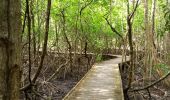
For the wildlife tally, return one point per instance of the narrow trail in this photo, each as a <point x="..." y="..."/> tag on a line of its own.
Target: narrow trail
<point x="102" y="82"/>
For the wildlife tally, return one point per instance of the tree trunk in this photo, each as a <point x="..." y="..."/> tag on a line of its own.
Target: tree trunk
<point x="45" y="41"/>
<point x="153" y="45"/>
<point x="150" y="47"/>
<point x="10" y="49"/>
<point x="167" y="81"/>
<point x="168" y="39"/>
<point x="147" y="52"/>
<point x="130" y="40"/>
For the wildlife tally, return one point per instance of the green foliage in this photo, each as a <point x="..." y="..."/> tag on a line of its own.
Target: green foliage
<point x="91" y="25"/>
<point x="162" y="67"/>
<point x="167" y="17"/>
<point x="98" y="57"/>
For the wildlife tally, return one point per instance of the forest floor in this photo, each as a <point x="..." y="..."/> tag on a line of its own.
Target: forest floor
<point x="64" y="81"/>
<point x="156" y="92"/>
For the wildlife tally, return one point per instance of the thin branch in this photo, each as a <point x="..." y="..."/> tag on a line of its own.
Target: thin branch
<point x="64" y="29"/>
<point x="86" y="5"/>
<point x="58" y="69"/>
<point x="136" y="6"/>
<point x="81" y="10"/>
<point x="38" y="94"/>
<point x="149" y="93"/>
<point x="113" y="29"/>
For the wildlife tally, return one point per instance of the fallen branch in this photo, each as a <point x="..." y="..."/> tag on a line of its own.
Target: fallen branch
<point x="38" y="94"/>
<point x="154" y="83"/>
<point x="56" y="71"/>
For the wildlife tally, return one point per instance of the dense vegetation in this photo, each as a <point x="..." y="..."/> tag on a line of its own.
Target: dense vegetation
<point x="64" y="35"/>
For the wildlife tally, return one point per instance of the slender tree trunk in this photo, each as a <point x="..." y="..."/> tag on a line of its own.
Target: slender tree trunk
<point x="33" y="28"/>
<point x="153" y="16"/>
<point x="146" y="21"/>
<point x="45" y="42"/>
<point x="153" y="38"/>
<point x="150" y="47"/>
<point x="168" y="37"/>
<point x="56" y="34"/>
<point x="130" y="39"/>
<point x="10" y="49"/>
<point x="29" y="37"/>
<point x="153" y="22"/>
<point x="68" y="69"/>
<point x="167" y="81"/>
<point x="39" y="34"/>
<point x="130" y="36"/>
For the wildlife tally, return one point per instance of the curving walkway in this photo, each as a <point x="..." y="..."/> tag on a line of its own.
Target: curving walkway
<point x="102" y="82"/>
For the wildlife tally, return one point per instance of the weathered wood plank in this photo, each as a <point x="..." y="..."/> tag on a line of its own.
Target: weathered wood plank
<point x="102" y="82"/>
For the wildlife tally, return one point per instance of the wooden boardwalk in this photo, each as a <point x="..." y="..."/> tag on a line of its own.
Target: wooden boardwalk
<point x="102" y="82"/>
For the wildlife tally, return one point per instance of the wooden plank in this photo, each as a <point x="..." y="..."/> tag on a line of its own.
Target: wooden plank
<point x="102" y="82"/>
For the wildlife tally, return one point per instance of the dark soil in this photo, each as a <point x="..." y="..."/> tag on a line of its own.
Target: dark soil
<point x="157" y="92"/>
<point x="65" y="79"/>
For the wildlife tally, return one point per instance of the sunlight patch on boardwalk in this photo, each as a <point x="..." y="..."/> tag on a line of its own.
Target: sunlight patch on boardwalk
<point x="102" y="82"/>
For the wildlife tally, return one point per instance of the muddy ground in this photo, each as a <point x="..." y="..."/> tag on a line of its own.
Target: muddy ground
<point x="66" y="78"/>
<point x="157" y="92"/>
